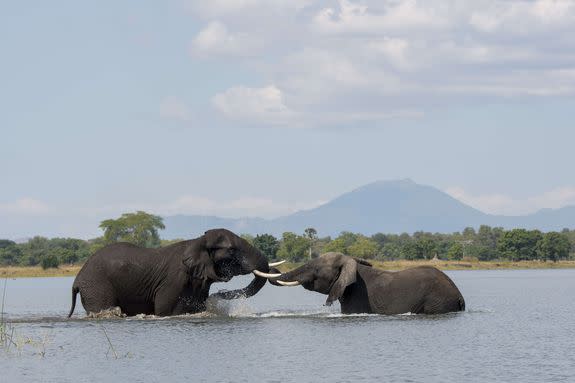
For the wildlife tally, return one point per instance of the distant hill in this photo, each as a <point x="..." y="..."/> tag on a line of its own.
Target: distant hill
<point x="383" y="206"/>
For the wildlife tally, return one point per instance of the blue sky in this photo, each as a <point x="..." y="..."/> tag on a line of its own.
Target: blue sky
<point x="262" y="108"/>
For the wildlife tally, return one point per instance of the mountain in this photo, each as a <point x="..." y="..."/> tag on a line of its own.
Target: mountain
<point x="383" y="206"/>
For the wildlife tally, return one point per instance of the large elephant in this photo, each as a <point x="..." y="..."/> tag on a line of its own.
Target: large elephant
<point x="360" y="288"/>
<point x="172" y="280"/>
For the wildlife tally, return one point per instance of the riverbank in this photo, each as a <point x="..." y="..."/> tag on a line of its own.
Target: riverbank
<point x="72" y="270"/>
<point x="460" y="265"/>
<point x="37" y="271"/>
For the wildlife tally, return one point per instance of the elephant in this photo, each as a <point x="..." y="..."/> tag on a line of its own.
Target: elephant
<point x="360" y="288"/>
<point x="171" y="280"/>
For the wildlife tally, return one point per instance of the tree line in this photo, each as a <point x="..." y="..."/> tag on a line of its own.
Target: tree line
<point x="485" y="244"/>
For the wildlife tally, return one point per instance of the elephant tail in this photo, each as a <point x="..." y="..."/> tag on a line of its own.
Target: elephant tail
<point x="75" y="291"/>
<point x="461" y="303"/>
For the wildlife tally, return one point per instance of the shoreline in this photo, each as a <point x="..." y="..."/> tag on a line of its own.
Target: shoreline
<point x="458" y="265"/>
<point x="72" y="270"/>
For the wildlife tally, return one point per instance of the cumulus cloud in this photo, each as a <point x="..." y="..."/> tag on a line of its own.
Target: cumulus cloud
<point x="353" y="17"/>
<point x="216" y="40"/>
<point x="215" y="8"/>
<point x="366" y="58"/>
<point x="522" y="17"/>
<point x="261" y="105"/>
<point x="497" y="203"/>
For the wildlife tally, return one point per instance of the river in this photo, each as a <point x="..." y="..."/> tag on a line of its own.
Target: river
<point x="518" y="327"/>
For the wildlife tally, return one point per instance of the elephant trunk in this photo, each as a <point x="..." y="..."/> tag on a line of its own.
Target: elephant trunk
<point x="290" y="278"/>
<point x="260" y="265"/>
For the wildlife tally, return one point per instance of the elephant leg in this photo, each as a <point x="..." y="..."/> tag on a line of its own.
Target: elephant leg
<point x="97" y="297"/>
<point x="178" y="301"/>
<point x="165" y="302"/>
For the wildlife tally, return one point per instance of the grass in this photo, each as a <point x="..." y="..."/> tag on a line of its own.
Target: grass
<point x="9" y="338"/>
<point x="468" y="264"/>
<point x="37" y="271"/>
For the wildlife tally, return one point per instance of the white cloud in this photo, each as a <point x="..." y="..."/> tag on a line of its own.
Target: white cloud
<point x="352" y="17"/>
<point x="212" y="8"/>
<point x="522" y="17"/>
<point x="266" y="106"/>
<point x="259" y="105"/>
<point x="216" y="40"/>
<point x="173" y="108"/>
<point x="356" y="60"/>
<point x="395" y="51"/>
<point x="497" y="203"/>
<point x="25" y="206"/>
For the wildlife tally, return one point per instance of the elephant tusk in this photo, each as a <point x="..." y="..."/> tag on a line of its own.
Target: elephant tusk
<point x="276" y="263"/>
<point x="294" y="283"/>
<point x="265" y="275"/>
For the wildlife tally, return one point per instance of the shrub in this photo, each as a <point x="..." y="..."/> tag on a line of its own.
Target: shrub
<point x="50" y="261"/>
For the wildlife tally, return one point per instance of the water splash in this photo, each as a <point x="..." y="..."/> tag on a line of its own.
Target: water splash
<point x="112" y="313"/>
<point x="237" y="308"/>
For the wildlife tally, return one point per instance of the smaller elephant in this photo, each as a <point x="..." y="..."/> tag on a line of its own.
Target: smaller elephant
<point x="360" y="288"/>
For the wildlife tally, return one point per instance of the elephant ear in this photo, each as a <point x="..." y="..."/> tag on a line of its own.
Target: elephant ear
<point x="198" y="261"/>
<point x="216" y="239"/>
<point x="363" y="262"/>
<point x="347" y="276"/>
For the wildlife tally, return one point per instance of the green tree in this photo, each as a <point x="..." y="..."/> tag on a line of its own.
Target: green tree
<point x="267" y="244"/>
<point x="342" y="243"/>
<point x="469" y="233"/>
<point x="139" y="228"/>
<point x="363" y="247"/>
<point x="10" y="253"/>
<point x="484" y="247"/>
<point x="519" y="244"/>
<point x="33" y="250"/>
<point x="381" y="239"/>
<point x="71" y="250"/>
<point x="424" y="245"/>
<point x="293" y="247"/>
<point x="389" y="251"/>
<point x="410" y="251"/>
<point x="50" y="260"/>
<point x="553" y="246"/>
<point x="455" y="252"/>
<point x="311" y="234"/>
<point x="570" y="234"/>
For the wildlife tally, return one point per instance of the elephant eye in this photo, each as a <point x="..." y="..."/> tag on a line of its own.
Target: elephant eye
<point x="232" y="250"/>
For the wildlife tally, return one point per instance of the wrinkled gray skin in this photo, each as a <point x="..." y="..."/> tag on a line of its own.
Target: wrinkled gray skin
<point x="171" y="280"/>
<point x="362" y="289"/>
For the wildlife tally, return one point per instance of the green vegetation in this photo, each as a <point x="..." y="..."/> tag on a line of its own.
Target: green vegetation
<point x="485" y="244"/>
<point x="482" y="245"/>
<point x="139" y="228"/>
<point x="46" y="252"/>
<point x="267" y="244"/>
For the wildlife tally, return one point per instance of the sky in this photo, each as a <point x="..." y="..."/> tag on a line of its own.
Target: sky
<point x="265" y="107"/>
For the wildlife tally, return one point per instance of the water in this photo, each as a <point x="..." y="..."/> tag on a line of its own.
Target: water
<point x="519" y="327"/>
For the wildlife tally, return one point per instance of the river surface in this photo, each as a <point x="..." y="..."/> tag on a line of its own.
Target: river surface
<point x="519" y="327"/>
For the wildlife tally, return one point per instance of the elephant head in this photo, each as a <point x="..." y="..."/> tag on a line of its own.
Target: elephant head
<point x="219" y="255"/>
<point x="329" y="274"/>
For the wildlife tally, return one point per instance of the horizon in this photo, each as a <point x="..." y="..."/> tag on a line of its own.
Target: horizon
<point x="384" y="182"/>
<point x="264" y="108"/>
